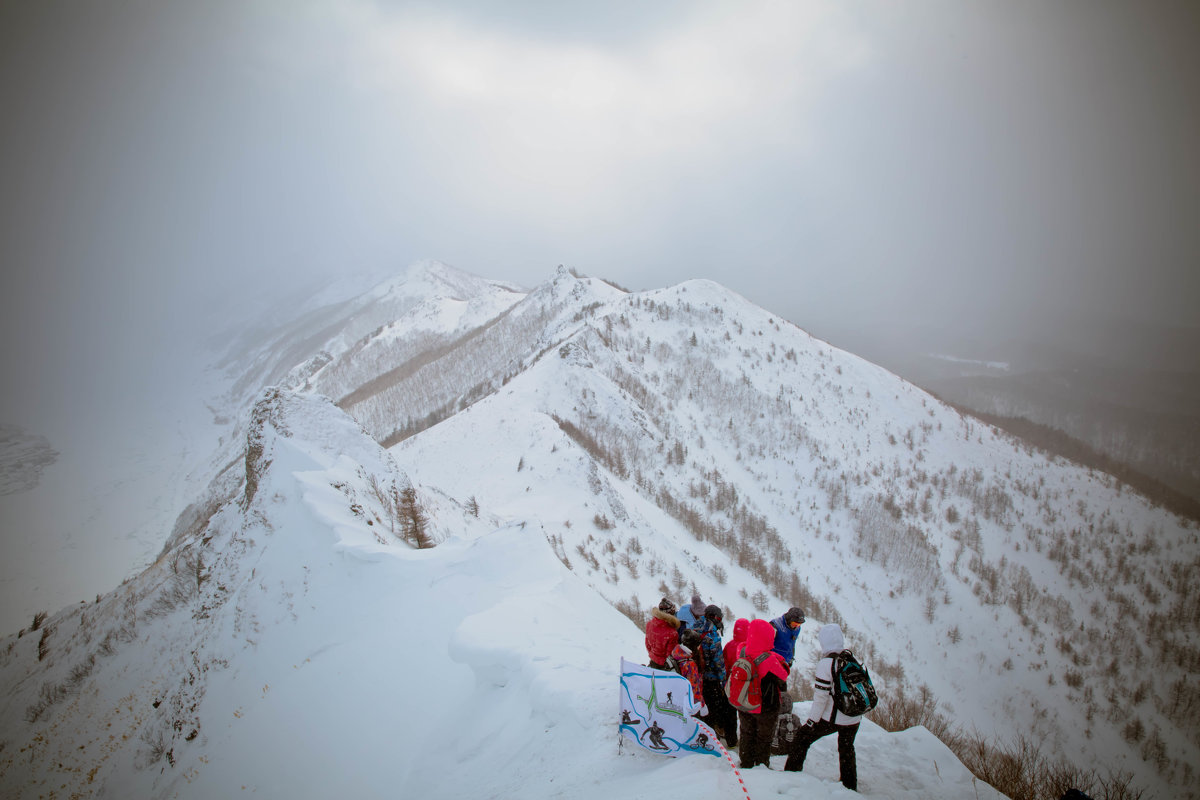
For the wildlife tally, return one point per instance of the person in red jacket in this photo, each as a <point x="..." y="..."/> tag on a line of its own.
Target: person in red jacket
<point x="757" y="730"/>
<point x="735" y="644"/>
<point x="662" y="633"/>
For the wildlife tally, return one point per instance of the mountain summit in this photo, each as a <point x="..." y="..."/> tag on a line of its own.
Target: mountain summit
<point x="573" y="449"/>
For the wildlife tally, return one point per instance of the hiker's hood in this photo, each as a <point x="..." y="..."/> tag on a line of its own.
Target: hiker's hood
<point x="681" y="653"/>
<point x="831" y="639"/>
<point x="740" y="628"/>
<point x="670" y="619"/>
<point x="759" y="638"/>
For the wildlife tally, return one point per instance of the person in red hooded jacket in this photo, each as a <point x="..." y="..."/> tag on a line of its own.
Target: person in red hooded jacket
<point x="757" y="730"/>
<point x="662" y="633"/>
<point x="735" y="644"/>
<point x="730" y="654"/>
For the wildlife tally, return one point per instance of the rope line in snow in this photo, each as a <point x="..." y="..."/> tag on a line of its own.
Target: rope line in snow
<point x="736" y="772"/>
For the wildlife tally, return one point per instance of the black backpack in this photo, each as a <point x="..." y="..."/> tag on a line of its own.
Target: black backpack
<point x="853" y="692"/>
<point x="785" y="732"/>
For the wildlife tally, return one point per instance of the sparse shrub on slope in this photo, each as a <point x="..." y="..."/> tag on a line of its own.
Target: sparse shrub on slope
<point x="883" y="539"/>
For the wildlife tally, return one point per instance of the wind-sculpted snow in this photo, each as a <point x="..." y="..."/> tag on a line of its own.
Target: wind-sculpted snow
<point x="288" y="649"/>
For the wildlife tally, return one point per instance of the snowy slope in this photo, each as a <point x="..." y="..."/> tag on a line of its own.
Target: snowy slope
<point x="349" y="337"/>
<point x="101" y="510"/>
<point x="655" y="443"/>
<point x="287" y="648"/>
<point x="796" y="473"/>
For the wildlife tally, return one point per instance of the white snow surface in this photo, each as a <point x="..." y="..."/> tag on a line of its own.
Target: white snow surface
<point x="322" y="657"/>
<point x="1029" y="593"/>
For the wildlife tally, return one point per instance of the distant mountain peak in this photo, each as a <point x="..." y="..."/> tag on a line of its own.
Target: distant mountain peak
<point x="429" y="279"/>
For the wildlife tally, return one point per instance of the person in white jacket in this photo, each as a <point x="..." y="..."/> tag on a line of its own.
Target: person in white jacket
<point x="824" y="718"/>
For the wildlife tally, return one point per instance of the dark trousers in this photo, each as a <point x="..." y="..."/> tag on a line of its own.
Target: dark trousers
<point x="757" y="732"/>
<point x="721" y="716"/>
<point x="810" y="733"/>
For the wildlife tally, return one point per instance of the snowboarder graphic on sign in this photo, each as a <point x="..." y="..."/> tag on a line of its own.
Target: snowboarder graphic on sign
<point x="656" y="734"/>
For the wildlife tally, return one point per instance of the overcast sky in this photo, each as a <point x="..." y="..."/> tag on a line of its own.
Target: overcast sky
<point x="970" y="165"/>
<point x="835" y="162"/>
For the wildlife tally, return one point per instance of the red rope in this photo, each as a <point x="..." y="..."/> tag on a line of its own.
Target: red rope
<point x="737" y="773"/>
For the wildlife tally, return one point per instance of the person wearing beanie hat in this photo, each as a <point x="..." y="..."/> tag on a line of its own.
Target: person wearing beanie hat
<point x="691" y="615"/>
<point x="662" y="633"/>
<point x="787" y="630"/>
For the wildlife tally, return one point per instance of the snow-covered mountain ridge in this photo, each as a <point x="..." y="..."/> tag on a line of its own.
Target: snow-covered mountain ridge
<point x="437" y="303"/>
<point x="685" y="439"/>
<point x="290" y="645"/>
<point x="793" y="472"/>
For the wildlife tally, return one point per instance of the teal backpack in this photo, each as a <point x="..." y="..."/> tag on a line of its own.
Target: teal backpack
<point x="853" y="692"/>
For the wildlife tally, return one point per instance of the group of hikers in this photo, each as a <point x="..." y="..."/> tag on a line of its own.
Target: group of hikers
<point x="688" y="640"/>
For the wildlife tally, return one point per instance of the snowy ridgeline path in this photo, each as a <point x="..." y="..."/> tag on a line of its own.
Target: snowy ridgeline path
<point x="482" y="668"/>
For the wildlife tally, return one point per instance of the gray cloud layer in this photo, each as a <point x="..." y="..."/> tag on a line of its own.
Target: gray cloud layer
<point x="973" y="166"/>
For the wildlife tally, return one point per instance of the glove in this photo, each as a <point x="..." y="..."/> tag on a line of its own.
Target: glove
<point x="703" y="710"/>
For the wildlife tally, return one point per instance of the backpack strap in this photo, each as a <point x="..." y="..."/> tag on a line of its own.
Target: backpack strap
<point x="835" y="659"/>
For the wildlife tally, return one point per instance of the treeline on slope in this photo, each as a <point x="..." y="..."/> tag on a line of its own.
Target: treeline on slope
<point x="1062" y="444"/>
<point x="753" y="544"/>
<point x="1016" y="765"/>
<point x="890" y="525"/>
<point x="1018" y="768"/>
<point x="424" y="389"/>
<point x="424" y="354"/>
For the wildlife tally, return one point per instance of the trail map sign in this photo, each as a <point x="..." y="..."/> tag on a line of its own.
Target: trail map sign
<point x="656" y="712"/>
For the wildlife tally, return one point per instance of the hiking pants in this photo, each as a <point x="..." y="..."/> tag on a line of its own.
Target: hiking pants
<point x="810" y="733"/>
<point x="758" y="730"/>
<point x="721" y="716"/>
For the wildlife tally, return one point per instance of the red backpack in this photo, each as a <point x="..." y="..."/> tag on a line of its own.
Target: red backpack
<point x="743" y="687"/>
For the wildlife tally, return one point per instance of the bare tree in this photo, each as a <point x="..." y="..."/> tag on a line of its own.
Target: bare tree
<point x="413" y="522"/>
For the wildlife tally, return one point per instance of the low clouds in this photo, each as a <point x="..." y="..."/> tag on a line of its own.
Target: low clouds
<point x="844" y="164"/>
<point x="580" y="141"/>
